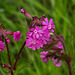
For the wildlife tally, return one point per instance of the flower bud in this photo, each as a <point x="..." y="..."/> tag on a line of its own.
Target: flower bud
<point x="25" y="13"/>
<point x="10" y="32"/>
<point x="8" y="41"/>
<point x="22" y="11"/>
<point x="0" y="37"/>
<point x="7" y="66"/>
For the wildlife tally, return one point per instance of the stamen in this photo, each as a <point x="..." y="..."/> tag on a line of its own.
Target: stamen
<point x="35" y="31"/>
<point x="34" y="42"/>
<point x="49" y="27"/>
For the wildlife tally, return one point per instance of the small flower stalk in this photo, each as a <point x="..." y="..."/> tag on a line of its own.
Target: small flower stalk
<point x="40" y="35"/>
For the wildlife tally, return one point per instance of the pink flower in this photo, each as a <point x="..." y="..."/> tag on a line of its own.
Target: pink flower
<point x="55" y="62"/>
<point x="43" y="56"/>
<point x="45" y="37"/>
<point x="37" y="37"/>
<point x="48" y="25"/>
<point x="33" y="43"/>
<point x="2" y="45"/>
<point x="17" y="36"/>
<point x="35" y="32"/>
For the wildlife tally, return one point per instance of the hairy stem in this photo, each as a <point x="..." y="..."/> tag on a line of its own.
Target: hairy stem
<point x="8" y="55"/>
<point x="14" y="67"/>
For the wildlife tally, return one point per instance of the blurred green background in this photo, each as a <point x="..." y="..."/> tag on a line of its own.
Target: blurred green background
<point x="63" y="14"/>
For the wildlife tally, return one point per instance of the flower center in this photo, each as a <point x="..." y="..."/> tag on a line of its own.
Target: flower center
<point x="49" y="27"/>
<point x="34" y="42"/>
<point x="42" y="38"/>
<point x="35" y="31"/>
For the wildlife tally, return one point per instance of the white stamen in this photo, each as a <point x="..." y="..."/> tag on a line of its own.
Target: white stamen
<point x="49" y="27"/>
<point x="35" y="31"/>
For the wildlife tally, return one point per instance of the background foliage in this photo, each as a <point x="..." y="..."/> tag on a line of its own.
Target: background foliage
<point x="63" y="14"/>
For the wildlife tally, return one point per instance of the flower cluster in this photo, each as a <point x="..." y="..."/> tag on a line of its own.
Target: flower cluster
<point x="46" y="59"/>
<point x="39" y="35"/>
<point x="4" y="35"/>
<point x="16" y="36"/>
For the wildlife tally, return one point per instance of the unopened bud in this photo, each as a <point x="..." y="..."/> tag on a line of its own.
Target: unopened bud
<point x="5" y="65"/>
<point x="22" y="11"/>
<point x="8" y="41"/>
<point x="10" y="32"/>
<point x="25" y="13"/>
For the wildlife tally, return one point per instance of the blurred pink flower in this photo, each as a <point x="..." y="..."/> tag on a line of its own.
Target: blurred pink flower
<point x="56" y="63"/>
<point x="2" y="45"/>
<point x="17" y="36"/>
